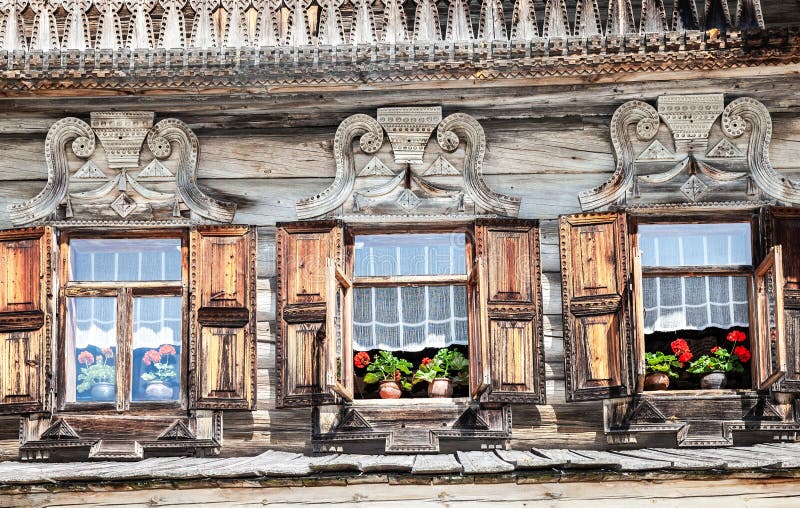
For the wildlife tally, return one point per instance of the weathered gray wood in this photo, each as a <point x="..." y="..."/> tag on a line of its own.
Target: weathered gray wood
<point x="337" y="463"/>
<point x="577" y="460"/>
<point x="483" y="463"/>
<point x="626" y="462"/>
<point x="527" y="460"/>
<point x="436" y="464"/>
<point x="386" y="463"/>
<point x="678" y="459"/>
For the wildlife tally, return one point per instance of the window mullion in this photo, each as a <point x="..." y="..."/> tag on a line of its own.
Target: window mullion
<point x="124" y="345"/>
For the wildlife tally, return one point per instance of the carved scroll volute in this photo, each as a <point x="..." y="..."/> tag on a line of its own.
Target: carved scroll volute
<point x="140" y="26"/>
<point x="159" y="141"/>
<point x="173" y="27"/>
<point x="62" y="132"/>
<point x="12" y="29"/>
<point x="523" y="21"/>
<point x="330" y="24"/>
<point x="460" y="127"/>
<point x="426" y="22"/>
<point x="45" y="31"/>
<point x="737" y="117"/>
<point x="646" y="120"/>
<point x="204" y="33"/>
<point x="76" y="25"/>
<point x="371" y="134"/>
<point x="109" y="33"/>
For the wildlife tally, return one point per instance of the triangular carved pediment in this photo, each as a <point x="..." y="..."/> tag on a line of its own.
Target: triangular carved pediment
<point x="471" y="420"/>
<point x="178" y="431"/>
<point x="155" y="170"/>
<point x="353" y="421"/>
<point x="59" y="431"/>
<point x="441" y="167"/>
<point x="725" y="150"/>
<point x="646" y="412"/>
<point x="655" y="152"/>
<point x="89" y="171"/>
<point x="375" y="168"/>
<point x="763" y="410"/>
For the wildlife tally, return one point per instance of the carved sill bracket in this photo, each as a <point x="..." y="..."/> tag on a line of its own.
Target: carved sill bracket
<point x="110" y="184"/>
<point x="702" y="152"/>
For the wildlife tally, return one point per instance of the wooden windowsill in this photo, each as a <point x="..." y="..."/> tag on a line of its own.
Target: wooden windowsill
<point x="700" y="394"/>
<point x="422" y="401"/>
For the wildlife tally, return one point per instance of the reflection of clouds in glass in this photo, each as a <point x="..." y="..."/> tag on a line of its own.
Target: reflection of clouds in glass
<point x="147" y="337"/>
<point x="95" y="336"/>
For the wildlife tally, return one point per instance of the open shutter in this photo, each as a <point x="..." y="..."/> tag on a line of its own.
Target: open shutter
<point x="26" y="283"/>
<point x="770" y="343"/>
<point x="223" y="312"/>
<point x="303" y="249"/>
<point x="596" y="301"/>
<point x="508" y="330"/>
<point x="781" y="226"/>
<point x="339" y="333"/>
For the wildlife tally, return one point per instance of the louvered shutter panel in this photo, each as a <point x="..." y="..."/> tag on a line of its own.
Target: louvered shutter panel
<point x="510" y="310"/>
<point x="596" y="306"/>
<point x="26" y="284"/>
<point x="223" y="317"/>
<point x="303" y="250"/>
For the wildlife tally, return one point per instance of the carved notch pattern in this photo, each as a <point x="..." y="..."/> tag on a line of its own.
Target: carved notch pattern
<point x="698" y="173"/>
<point x="114" y="180"/>
<point x="411" y="183"/>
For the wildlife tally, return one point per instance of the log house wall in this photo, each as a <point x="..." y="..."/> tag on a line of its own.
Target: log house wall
<point x="264" y="151"/>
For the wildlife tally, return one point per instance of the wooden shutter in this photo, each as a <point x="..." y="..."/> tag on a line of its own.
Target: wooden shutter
<point x="781" y="228"/>
<point x="26" y="284"/>
<point x="506" y="349"/>
<point x="223" y="311"/>
<point x="303" y="249"/>
<point x="769" y="344"/>
<point x="596" y="303"/>
<point x="339" y="333"/>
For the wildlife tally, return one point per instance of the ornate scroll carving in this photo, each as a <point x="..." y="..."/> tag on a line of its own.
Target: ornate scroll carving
<point x="418" y="180"/>
<point x="704" y="161"/>
<point x="113" y="179"/>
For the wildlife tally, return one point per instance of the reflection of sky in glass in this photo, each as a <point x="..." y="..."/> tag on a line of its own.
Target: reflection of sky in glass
<point x="410" y="254"/>
<point x="157" y="331"/>
<point x="695" y="244"/>
<point x="92" y="333"/>
<point x="125" y="260"/>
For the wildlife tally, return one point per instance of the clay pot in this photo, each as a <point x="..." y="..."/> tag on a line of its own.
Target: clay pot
<point x="713" y="381"/>
<point x="656" y="381"/>
<point x="158" y="390"/>
<point x="441" y="387"/>
<point x="103" y="392"/>
<point x="390" y="390"/>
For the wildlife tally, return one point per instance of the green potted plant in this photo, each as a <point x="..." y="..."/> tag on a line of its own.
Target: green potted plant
<point x="442" y="371"/>
<point x="386" y="369"/>
<point x="97" y="376"/>
<point x="715" y="366"/>
<point x="158" y="372"/>
<point x="659" y="365"/>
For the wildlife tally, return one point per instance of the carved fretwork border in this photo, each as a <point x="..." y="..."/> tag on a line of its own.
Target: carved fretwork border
<point x="234" y="68"/>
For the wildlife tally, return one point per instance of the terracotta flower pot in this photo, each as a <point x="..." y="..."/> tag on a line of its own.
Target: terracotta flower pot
<point x="441" y="387"/>
<point x="103" y="392"/>
<point x="390" y="390"/>
<point x="713" y="381"/>
<point x="656" y="381"/>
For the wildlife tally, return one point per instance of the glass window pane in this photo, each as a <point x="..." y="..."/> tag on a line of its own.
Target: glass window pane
<point x="146" y="259"/>
<point x="409" y="318"/>
<point x="695" y="244"/>
<point x="91" y="348"/>
<point x="410" y="254"/>
<point x="156" y="369"/>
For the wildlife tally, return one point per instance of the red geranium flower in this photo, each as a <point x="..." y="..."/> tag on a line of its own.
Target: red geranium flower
<point x="86" y="358"/>
<point x="107" y="352"/>
<point x="737" y="336"/>
<point x="362" y="359"/>
<point x="679" y="346"/>
<point x="166" y="349"/>
<point x="685" y="357"/>
<point x="426" y="361"/>
<point x="151" y="357"/>
<point x="743" y="353"/>
<point x="715" y="349"/>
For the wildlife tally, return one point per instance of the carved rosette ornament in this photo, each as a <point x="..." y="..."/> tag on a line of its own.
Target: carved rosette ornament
<point x="112" y="184"/>
<point x="699" y="154"/>
<point x="413" y="176"/>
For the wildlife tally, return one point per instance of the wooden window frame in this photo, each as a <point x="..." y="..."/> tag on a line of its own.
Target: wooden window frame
<point x="124" y="292"/>
<point x="638" y="273"/>
<point x="353" y="230"/>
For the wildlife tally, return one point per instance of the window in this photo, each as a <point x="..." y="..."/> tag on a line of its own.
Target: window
<point x="633" y="284"/>
<point x="409" y="290"/>
<point x="696" y="281"/>
<point x="124" y="330"/>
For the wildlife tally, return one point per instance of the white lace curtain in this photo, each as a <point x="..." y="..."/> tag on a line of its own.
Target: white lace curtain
<point x="410" y="318"/>
<point x="695" y="303"/>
